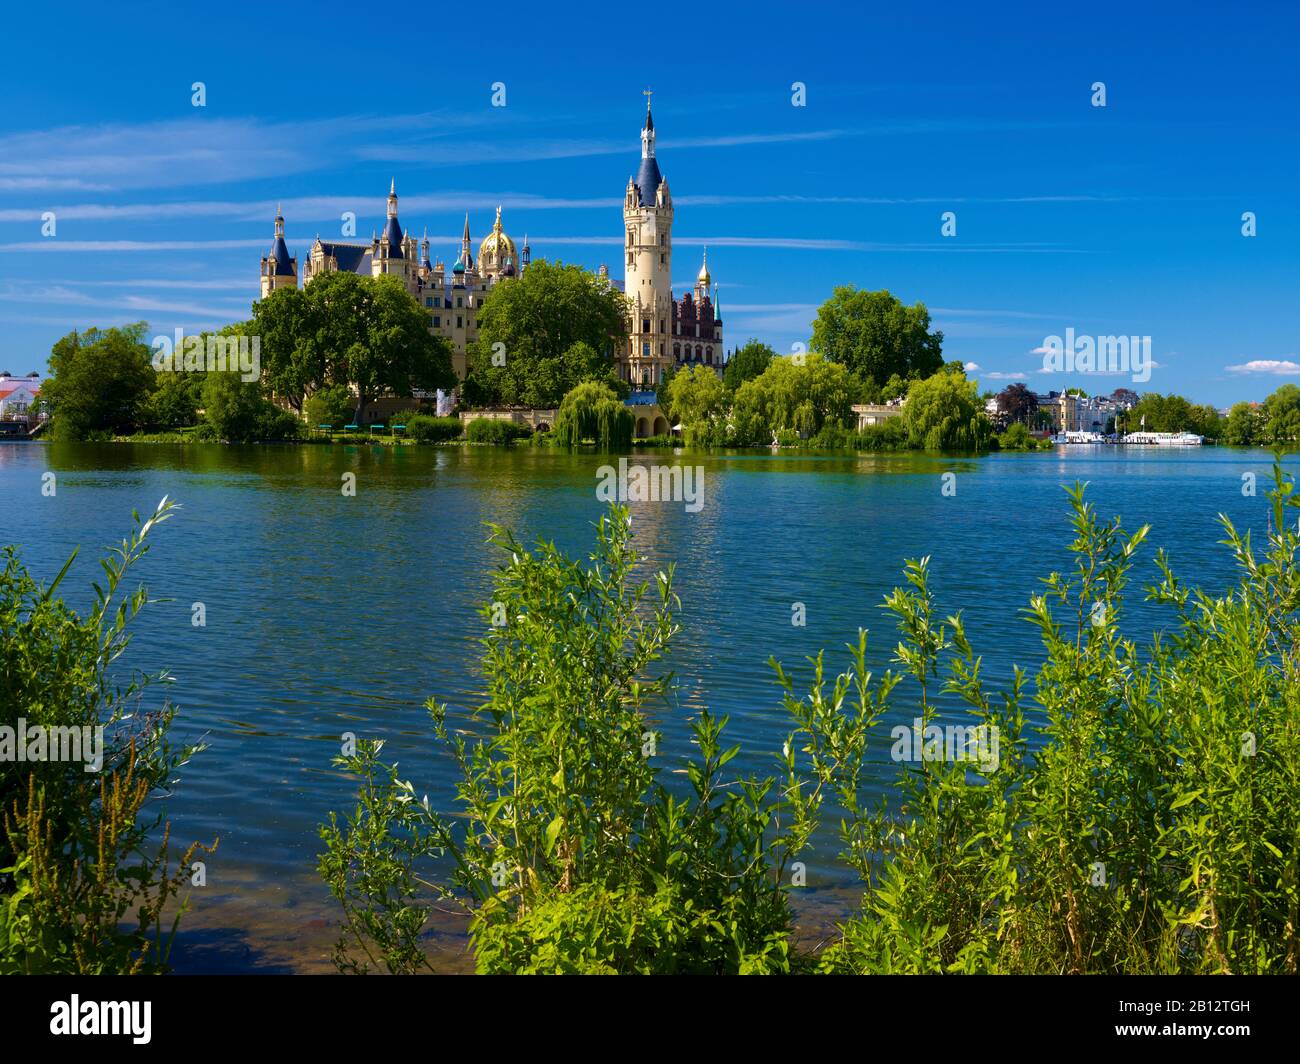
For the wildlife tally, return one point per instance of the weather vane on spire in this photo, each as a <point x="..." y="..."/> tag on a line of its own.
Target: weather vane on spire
<point x="647" y="93"/>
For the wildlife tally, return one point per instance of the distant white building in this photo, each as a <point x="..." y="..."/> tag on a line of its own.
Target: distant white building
<point x="18" y="397"/>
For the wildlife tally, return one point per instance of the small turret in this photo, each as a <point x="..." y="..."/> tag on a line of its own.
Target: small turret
<point x="279" y="268"/>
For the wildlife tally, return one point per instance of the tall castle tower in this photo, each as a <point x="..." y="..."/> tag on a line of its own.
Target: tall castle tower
<point x="278" y="269"/>
<point x="394" y="251"/>
<point x="647" y="281"/>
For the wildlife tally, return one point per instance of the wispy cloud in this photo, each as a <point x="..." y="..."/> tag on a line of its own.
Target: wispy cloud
<point x="66" y="296"/>
<point x="202" y="150"/>
<point x="1282" y="367"/>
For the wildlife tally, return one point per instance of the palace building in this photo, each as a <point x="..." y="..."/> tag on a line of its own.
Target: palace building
<point x="663" y="332"/>
<point x="452" y="297"/>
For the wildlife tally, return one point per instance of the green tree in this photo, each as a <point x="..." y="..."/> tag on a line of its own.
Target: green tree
<point x="239" y="411"/>
<point x="1171" y="413"/>
<point x="100" y="382"/>
<point x="550" y="329"/>
<point x="1282" y="414"/>
<point x="592" y="411"/>
<point x="697" y="398"/>
<point x="876" y="336"/>
<point x="1244" y="426"/>
<point x="367" y="332"/>
<point x="944" y="413"/>
<point x="174" y="401"/>
<point x="797" y="394"/>
<point x="331" y="405"/>
<point x="1205" y="421"/>
<point x="747" y="363"/>
<point x="301" y="341"/>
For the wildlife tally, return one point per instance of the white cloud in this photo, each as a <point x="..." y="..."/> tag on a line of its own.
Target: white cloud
<point x="971" y="367"/>
<point x="1282" y="367"/>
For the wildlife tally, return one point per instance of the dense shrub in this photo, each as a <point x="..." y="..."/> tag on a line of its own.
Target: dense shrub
<point x="1017" y="438"/>
<point x="561" y="801"/>
<point x="85" y="869"/>
<point x="1131" y="811"/>
<point x="492" y="430"/>
<point x="429" y="429"/>
<point x="597" y="931"/>
<point x="1144" y="822"/>
<point x="889" y="435"/>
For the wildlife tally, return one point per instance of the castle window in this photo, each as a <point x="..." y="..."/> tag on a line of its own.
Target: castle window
<point x="645" y="324"/>
<point x="708" y="355"/>
<point x="460" y="322"/>
<point x="645" y="350"/>
<point x="677" y="351"/>
<point x="437" y="320"/>
<point x="662" y="326"/>
<point x="429" y="302"/>
<point x="663" y="259"/>
<point x="661" y="349"/>
<point x="629" y="260"/>
<point x="460" y="301"/>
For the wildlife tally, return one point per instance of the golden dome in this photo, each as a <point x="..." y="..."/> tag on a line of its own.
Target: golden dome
<point x="497" y="248"/>
<point x="704" y="278"/>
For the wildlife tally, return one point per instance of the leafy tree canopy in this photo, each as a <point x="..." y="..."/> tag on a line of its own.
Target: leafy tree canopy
<point x="549" y="329"/>
<point x="99" y="381"/>
<point x="943" y="413"/>
<point x="876" y="336"/>
<point x="368" y="332"/>
<point x="593" y="411"/>
<point x="801" y="396"/>
<point x="746" y="364"/>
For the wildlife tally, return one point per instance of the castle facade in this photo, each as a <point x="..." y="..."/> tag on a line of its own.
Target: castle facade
<point x="663" y="332"/>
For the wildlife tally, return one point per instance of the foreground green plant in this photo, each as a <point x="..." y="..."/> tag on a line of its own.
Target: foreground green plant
<point x="1148" y="824"/>
<point x="1133" y="811"/>
<point x="82" y="887"/>
<point x="564" y="825"/>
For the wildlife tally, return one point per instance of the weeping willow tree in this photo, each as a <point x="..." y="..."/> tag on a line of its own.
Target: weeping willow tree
<point x="592" y="412"/>
<point x="943" y="413"/>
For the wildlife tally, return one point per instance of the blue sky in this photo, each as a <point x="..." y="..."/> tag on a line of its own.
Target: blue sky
<point x="1117" y="220"/>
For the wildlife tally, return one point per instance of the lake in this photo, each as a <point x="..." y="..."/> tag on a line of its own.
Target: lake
<point x="328" y="613"/>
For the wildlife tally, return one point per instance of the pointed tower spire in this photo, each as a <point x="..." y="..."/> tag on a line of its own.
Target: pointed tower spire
<point x="648" y="131"/>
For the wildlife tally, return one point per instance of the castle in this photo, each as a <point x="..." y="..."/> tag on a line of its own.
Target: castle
<point x="663" y="332"/>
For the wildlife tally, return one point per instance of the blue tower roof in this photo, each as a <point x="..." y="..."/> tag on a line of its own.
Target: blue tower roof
<point x="647" y="181"/>
<point x="393" y="234"/>
<point x="280" y="254"/>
